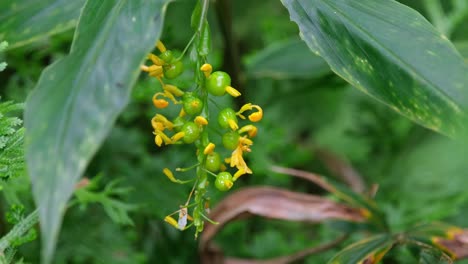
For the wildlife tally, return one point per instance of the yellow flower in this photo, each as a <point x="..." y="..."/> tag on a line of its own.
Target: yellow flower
<point x="254" y="117"/>
<point x="237" y="159"/>
<point x="250" y="129"/>
<point x="159" y="103"/>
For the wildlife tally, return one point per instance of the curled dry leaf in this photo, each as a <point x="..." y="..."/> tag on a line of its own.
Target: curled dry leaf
<point x="342" y="169"/>
<point x="275" y="203"/>
<point x="456" y="244"/>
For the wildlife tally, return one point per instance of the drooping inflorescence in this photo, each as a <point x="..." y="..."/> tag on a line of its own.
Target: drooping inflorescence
<point x="190" y="126"/>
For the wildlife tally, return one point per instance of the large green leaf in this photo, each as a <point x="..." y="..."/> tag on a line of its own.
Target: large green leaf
<point x="392" y="53"/>
<point x="374" y="247"/>
<point x="24" y="21"/>
<point x="287" y="59"/>
<point x="77" y="100"/>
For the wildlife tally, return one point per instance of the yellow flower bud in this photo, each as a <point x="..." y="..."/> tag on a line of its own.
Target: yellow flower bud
<point x="155" y="59"/>
<point x="158" y="140"/>
<point x="206" y="69"/>
<point x="171" y="221"/>
<point x="169" y="175"/>
<point x="209" y="148"/>
<point x="233" y="92"/>
<point x="173" y="90"/>
<point x="177" y="136"/>
<point x="160" y="46"/>
<point x="200" y="120"/>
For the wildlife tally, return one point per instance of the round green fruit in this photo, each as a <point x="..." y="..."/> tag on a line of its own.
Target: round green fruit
<point x="213" y="162"/>
<point x="192" y="104"/>
<point x="231" y="140"/>
<point x="225" y="115"/>
<point x="224" y="181"/>
<point x="217" y="82"/>
<point x="166" y="56"/>
<point x="173" y="70"/>
<point x="191" y="132"/>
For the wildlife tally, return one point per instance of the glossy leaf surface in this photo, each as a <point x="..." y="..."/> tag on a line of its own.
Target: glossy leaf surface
<point x="392" y="53"/>
<point x="78" y="99"/>
<point x="24" y="21"/>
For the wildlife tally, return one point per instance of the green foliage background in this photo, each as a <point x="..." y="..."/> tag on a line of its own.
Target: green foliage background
<point x="306" y="107"/>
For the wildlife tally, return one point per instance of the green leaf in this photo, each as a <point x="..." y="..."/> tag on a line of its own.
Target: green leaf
<point x="363" y="249"/>
<point x="78" y="99"/>
<point x="462" y="47"/>
<point x="25" y="21"/>
<point x="434" y="257"/>
<point x="392" y="53"/>
<point x="288" y="59"/>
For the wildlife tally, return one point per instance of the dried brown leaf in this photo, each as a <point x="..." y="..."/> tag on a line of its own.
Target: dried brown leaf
<point x="343" y="169"/>
<point x="456" y="245"/>
<point x="276" y="203"/>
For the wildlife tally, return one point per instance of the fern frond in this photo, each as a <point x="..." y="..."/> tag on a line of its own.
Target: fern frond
<point x="11" y="142"/>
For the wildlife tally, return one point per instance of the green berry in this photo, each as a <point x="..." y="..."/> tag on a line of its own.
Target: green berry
<point x="224" y="181"/>
<point x="231" y="140"/>
<point x="217" y="82"/>
<point x="173" y="70"/>
<point x="192" y="104"/>
<point x="213" y="162"/>
<point x="225" y="115"/>
<point x="166" y="56"/>
<point x="191" y="132"/>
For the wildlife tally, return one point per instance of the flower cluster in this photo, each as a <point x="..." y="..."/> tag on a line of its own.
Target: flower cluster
<point x="190" y="127"/>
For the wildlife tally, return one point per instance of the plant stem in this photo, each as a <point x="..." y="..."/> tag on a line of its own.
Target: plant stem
<point x="231" y="56"/>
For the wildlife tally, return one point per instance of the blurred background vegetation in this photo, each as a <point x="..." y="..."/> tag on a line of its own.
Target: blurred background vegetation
<point x="421" y="175"/>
